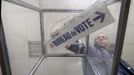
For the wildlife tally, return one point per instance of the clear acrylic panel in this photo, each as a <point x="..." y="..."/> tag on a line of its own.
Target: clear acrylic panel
<point x="22" y="28"/>
<point x="21" y="25"/>
<point x="54" y="21"/>
<point x="60" y="66"/>
<point x="127" y="53"/>
<point x="31" y="2"/>
<point x="103" y="59"/>
<point x="66" y="4"/>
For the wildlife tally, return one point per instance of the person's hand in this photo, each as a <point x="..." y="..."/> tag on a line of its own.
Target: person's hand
<point x="67" y="46"/>
<point x="55" y="33"/>
<point x="51" y="45"/>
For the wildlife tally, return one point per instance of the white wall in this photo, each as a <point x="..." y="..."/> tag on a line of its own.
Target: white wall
<point x="32" y="2"/>
<point x="67" y="4"/>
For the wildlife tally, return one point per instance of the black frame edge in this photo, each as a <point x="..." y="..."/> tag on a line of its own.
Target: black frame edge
<point x="4" y="58"/>
<point x="125" y="5"/>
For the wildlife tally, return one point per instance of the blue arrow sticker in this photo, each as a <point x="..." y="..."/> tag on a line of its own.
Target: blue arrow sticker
<point x="101" y="16"/>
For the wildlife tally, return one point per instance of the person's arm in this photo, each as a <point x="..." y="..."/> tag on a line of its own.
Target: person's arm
<point x="80" y="48"/>
<point x="92" y="51"/>
<point x="77" y="48"/>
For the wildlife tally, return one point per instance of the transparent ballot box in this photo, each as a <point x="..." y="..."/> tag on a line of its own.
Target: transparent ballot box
<point x="64" y="37"/>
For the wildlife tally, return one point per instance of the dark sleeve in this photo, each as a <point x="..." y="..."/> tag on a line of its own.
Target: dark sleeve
<point x="77" y="48"/>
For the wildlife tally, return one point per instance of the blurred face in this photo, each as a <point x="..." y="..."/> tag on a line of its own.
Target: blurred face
<point x="102" y="40"/>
